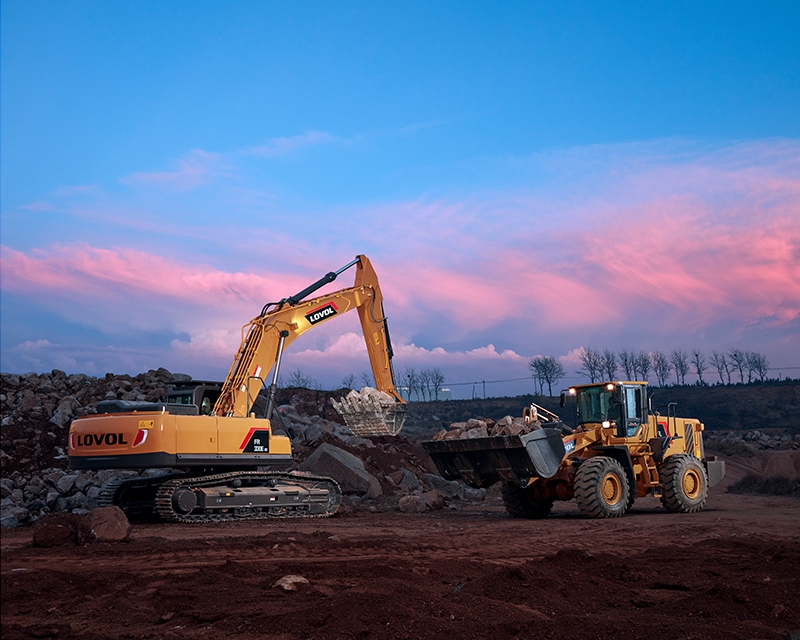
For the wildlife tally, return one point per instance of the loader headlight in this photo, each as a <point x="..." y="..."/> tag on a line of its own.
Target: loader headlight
<point x="606" y="424"/>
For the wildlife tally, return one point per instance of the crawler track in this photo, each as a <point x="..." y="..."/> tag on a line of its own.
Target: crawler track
<point x="295" y="495"/>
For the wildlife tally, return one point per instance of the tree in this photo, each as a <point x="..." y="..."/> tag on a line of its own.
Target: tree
<point x="349" y="382"/>
<point x="680" y="364"/>
<point x="699" y="362"/>
<point x="758" y="364"/>
<point x="609" y="364"/>
<point x="547" y="369"/>
<point x="408" y="378"/>
<point x="642" y="365"/>
<point x="299" y="380"/>
<point x="720" y="363"/>
<point x="592" y="364"/>
<point x="536" y="373"/>
<point x="739" y="360"/>
<point x="627" y="361"/>
<point x="437" y="381"/>
<point x="661" y="367"/>
<point x="367" y="379"/>
<point x="424" y="383"/>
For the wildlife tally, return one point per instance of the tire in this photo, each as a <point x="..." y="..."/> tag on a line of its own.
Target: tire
<point x="601" y="488"/>
<point x="684" y="484"/>
<point x="519" y="504"/>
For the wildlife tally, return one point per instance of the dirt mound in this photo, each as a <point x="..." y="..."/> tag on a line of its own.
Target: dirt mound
<point x="730" y="571"/>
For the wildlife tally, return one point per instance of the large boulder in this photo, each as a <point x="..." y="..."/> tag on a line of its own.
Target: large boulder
<point x="345" y="468"/>
<point x="56" y="529"/>
<point x="104" y="524"/>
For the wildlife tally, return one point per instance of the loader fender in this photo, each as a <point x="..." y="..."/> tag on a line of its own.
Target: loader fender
<point x="623" y="456"/>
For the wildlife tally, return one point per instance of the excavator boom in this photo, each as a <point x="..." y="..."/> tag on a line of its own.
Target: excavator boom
<point x="267" y="336"/>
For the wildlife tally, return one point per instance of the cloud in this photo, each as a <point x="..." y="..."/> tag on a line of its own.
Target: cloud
<point x="651" y="246"/>
<point x="284" y="146"/>
<point x="196" y="169"/>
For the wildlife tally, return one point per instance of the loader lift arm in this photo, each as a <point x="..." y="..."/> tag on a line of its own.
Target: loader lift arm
<point x="267" y="336"/>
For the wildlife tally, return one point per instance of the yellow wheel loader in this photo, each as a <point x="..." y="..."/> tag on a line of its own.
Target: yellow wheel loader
<point x="618" y="451"/>
<point x="222" y="452"/>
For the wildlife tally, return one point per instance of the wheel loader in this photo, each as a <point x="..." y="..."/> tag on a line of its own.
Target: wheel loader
<point x="223" y="454"/>
<point x="618" y="450"/>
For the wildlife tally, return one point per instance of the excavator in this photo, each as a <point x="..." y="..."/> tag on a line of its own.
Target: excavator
<point x="620" y="449"/>
<point x="221" y="454"/>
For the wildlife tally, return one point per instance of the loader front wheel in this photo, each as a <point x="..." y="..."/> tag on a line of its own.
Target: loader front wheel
<point x="519" y="503"/>
<point x="684" y="484"/>
<point x="601" y="488"/>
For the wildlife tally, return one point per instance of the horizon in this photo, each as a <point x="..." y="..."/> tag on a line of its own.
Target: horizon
<point x="527" y="181"/>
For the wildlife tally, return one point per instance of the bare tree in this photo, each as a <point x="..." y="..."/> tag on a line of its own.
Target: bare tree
<point x="642" y="365"/>
<point x="535" y="365"/>
<point x="349" y="382"/>
<point x="592" y="364"/>
<point x="680" y="364"/>
<point x="299" y="380"/>
<point x="699" y="362"/>
<point x="548" y="370"/>
<point x="720" y="363"/>
<point x="437" y="381"/>
<point x="739" y="360"/>
<point x="609" y="364"/>
<point x="661" y="367"/>
<point x="424" y="384"/>
<point x="367" y="379"/>
<point x="409" y="379"/>
<point x="627" y="361"/>
<point x="758" y="364"/>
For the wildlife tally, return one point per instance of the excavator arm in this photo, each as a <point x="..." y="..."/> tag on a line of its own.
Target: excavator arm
<point x="279" y="324"/>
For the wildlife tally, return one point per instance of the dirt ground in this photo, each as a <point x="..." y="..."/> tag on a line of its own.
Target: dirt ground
<point x="730" y="571"/>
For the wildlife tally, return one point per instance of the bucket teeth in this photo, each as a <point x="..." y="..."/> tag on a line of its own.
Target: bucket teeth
<point x="371" y="412"/>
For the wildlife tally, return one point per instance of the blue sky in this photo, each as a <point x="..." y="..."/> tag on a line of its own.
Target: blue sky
<point x="527" y="179"/>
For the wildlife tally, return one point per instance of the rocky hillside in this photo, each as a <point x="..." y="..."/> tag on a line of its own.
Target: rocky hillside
<point x="375" y="473"/>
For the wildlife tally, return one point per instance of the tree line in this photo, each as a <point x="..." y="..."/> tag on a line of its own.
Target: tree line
<point x="639" y="365"/>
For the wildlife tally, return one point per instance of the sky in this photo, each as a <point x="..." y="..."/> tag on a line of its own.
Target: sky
<point x="527" y="179"/>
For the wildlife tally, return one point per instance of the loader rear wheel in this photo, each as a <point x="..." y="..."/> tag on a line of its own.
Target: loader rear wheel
<point x="519" y="503"/>
<point x="684" y="484"/>
<point x="601" y="488"/>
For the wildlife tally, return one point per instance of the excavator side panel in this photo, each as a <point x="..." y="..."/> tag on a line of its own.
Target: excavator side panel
<point x="149" y="440"/>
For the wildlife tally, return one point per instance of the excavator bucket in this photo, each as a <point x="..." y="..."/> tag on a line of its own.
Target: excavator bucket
<point x="371" y="413"/>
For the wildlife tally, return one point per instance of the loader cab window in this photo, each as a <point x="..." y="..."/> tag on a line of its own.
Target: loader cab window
<point x="594" y="404"/>
<point x="633" y="406"/>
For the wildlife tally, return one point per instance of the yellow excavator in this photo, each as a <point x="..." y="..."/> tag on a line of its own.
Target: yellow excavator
<point x="211" y="434"/>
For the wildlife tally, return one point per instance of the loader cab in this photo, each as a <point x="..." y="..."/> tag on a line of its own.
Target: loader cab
<point x="201" y="393"/>
<point x="619" y="404"/>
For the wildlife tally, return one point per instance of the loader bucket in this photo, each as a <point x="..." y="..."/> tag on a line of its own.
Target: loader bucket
<point x="480" y="462"/>
<point x="369" y="416"/>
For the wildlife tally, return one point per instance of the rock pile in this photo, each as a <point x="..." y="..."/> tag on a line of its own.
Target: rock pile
<point x="36" y="410"/>
<point x="485" y="427"/>
<point x="749" y="442"/>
